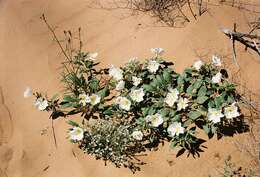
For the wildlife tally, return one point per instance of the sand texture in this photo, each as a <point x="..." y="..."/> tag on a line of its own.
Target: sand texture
<point x="29" y="57"/>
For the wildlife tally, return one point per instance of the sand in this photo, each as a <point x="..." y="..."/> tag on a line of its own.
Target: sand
<point x="29" y="57"/>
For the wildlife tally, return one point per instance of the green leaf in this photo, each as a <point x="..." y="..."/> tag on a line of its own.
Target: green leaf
<point x="190" y="90"/>
<point x="148" y="88"/>
<point x="159" y="80"/>
<point x="202" y="91"/>
<point x="188" y="70"/>
<point x="94" y="84"/>
<point x="72" y="123"/>
<point x="194" y="115"/>
<point x="145" y="111"/>
<point x="230" y="99"/>
<point x="167" y="75"/>
<point x="197" y="84"/>
<point x="164" y="112"/>
<point x="176" y="118"/>
<point x="151" y="111"/>
<point x="210" y="92"/>
<point x="211" y="104"/>
<point x="172" y="113"/>
<point x="202" y="99"/>
<point x="173" y="144"/>
<point x="104" y="92"/>
<point x="68" y="98"/>
<point x="206" y="129"/>
<point x="66" y="105"/>
<point x="141" y="121"/>
<point x="220" y="100"/>
<point x="180" y="81"/>
<point x="231" y="87"/>
<point x="109" y="112"/>
<point x="73" y="112"/>
<point x="155" y="83"/>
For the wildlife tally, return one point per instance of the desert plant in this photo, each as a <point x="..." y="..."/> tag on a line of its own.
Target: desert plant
<point x="111" y="141"/>
<point x="230" y="169"/>
<point x="128" y="109"/>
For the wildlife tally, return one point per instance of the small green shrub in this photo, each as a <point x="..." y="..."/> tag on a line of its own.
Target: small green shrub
<point x="128" y="109"/>
<point x="110" y="141"/>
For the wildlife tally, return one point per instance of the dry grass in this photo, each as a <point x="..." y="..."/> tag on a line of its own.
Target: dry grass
<point x="174" y="13"/>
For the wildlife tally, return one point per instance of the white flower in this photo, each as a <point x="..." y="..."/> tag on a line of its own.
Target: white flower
<point x="83" y="99"/>
<point x="175" y="129"/>
<point x="171" y="97"/>
<point x="136" y="80"/>
<point x="231" y="111"/>
<point x="93" y="99"/>
<point x="216" y="60"/>
<point x="138" y="135"/>
<point x="182" y="103"/>
<point x="76" y="134"/>
<point x="28" y="92"/>
<point x="41" y="104"/>
<point x="116" y="73"/>
<point x="120" y="85"/>
<point x="155" y="119"/>
<point x="123" y="103"/>
<point x="153" y="66"/>
<point x="92" y="56"/>
<point x="217" y="78"/>
<point x="214" y="115"/>
<point x="137" y="94"/>
<point x="198" y="64"/>
<point x="157" y="51"/>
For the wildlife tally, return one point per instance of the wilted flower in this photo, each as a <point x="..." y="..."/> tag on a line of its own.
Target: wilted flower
<point x="216" y="60"/>
<point x="120" y="85"/>
<point x="157" y="51"/>
<point x="136" y="80"/>
<point x="28" y="92"/>
<point x="153" y="66"/>
<point x="214" y="115"/>
<point x="123" y="103"/>
<point x="171" y="97"/>
<point x="93" y="99"/>
<point x="155" y="119"/>
<point x="198" y="64"/>
<point x="76" y="134"/>
<point x="116" y="73"/>
<point x="137" y="94"/>
<point x="182" y="103"/>
<point x="217" y="78"/>
<point x="138" y="135"/>
<point x="175" y="129"/>
<point x="231" y="111"/>
<point x="41" y="104"/>
<point x="92" y="56"/>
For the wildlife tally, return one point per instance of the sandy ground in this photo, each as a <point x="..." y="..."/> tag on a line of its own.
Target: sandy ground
<point x="30" y="58"/>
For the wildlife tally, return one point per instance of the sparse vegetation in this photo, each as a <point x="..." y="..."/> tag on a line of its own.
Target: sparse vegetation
<point x="230" y="169"/>
<point x="128" y="109"/>
<point x="175" y="13"/>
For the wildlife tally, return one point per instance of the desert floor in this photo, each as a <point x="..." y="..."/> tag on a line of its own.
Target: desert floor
<point x="29" y="57"/>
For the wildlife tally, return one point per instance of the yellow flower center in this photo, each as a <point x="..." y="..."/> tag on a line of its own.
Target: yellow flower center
<point x="77" y="132"/>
